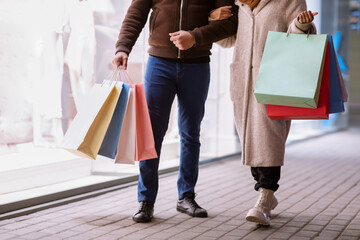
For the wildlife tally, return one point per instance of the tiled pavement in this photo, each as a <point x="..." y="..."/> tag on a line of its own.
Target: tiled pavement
<point x="319" y="198"/>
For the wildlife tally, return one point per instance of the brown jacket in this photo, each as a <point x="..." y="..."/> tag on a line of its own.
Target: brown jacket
<point x="173" y="15"/>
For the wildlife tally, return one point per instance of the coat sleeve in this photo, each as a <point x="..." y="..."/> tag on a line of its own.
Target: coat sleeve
<point x="292" y="13"/>
<point x="217" y="30"/>
<point x="132" y="25"/>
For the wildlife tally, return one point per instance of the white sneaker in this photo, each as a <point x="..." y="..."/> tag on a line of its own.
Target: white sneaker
<point x="260" y="213"/>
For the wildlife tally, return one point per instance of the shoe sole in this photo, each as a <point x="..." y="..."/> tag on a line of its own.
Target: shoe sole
<point x="256" y="220"/>
<point x="252" y="217"/>
<point x="191" y="214"/>
<point x="141" y="220"/>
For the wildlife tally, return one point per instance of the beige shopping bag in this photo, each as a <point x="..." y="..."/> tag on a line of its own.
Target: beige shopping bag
<point x="126" y="147"/>
<point x="88" y="129"/>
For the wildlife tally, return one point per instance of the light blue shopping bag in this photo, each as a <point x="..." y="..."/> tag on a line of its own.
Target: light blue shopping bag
<point x="110" y="143"/>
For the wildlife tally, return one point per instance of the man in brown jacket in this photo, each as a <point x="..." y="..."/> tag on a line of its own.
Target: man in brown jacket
<point x="180" y="41"/>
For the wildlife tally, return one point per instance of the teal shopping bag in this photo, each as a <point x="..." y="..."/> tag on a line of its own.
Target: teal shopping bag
<point x="291" y="70"/>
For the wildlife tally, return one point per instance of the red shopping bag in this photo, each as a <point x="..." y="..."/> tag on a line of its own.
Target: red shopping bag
<point x="277" y="112"/>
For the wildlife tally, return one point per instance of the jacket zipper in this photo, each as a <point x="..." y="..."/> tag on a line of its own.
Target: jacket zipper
<point x="180" y="25"/>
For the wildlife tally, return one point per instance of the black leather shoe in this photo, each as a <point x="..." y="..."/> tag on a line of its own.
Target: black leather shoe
<point x="190" y="207"/>
<point x="144" y="213"/>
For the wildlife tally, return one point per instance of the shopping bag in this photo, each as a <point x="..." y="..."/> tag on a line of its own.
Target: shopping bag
<point x="109" y="145"/>
<point x="126" y="146"/>
<point x="144" y="138"/>
<point x="88" y="129"/>
<point x="342" y="84"/>
<point x="291" y="69"/>
<point x="336" y="104"/>
<point x="276" y="112"/>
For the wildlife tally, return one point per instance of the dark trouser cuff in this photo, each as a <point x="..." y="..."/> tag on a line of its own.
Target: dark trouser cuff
<point x="266" y="177"/>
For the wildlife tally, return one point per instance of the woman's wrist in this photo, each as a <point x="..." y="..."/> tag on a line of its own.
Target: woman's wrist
<point x="302" y="26"/>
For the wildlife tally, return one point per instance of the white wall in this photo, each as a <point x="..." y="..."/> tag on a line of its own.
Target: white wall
<point x="315" y="6"/>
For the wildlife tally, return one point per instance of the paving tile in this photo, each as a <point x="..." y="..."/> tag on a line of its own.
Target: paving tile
<point x="6" y="222"/>
<point x="333" y="227"/>
<point x="289" y="229"/>
<point x="345" y="237"/>
<point x="227" y="237"/>
<point x="167" y="235"/>
<point x="225" y="227"/>
<point x="353" y="226"/>
<point x="67" y="234"/>
<point x="14" y="226"/>
<point x="35" y="235"/>
<point x="304" y="233"/>
<point x="5" y="236"/>
<point x="298" y="238"/>
<point x="329" y="234"/>
<point x="352" y="232"/>
<point x="314" y="228"/>
<point x="214" y="233"/>
<point x="106" y="238"/>
<point x="281" y="235"/>
<point x="51" y="237"/>
<point x="238" y="233"/>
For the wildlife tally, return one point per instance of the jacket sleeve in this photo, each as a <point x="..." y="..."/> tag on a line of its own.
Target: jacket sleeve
<point x="217" y="30"/>
<point x="292" y="13"/>
<point x="132" y="25"/>
<point x="227" y="42"/>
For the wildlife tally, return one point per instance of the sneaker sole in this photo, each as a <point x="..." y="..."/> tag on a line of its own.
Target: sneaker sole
<point x="253" y="216"/>
<point x="142" y="220"/>
<point x="191" y="214"/>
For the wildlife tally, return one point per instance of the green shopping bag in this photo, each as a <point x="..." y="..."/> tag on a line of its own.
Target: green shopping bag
<point x="291" y="70"/>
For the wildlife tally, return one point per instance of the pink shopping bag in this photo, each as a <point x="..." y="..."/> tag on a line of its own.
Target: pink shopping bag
<point x="144" y="138"/>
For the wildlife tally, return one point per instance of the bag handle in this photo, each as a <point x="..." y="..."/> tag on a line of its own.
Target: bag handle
<point x="288" y="31"/>
<point x="119" y="74"/>
<point x="111" y="78"/>
<point x="124" y="76"/>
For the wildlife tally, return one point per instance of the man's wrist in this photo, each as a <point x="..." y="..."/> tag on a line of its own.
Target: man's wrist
<point x="193" y="37"/>
<point x="121" y="49"/>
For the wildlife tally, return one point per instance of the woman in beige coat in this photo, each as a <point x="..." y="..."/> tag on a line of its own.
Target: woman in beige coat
<point x="262" y="139"/>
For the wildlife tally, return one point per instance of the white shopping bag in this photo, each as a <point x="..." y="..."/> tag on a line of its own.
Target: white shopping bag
<point x="88" y="129"/>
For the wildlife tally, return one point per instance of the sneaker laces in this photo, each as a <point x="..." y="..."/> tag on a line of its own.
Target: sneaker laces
<point x="144" y="206"/>
<point x="192" y="202"/>
<point x="261" y="202"/>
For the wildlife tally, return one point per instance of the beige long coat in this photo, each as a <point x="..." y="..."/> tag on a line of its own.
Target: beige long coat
<point x="262" y="139"/>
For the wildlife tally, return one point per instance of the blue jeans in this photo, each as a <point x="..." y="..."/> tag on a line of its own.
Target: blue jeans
<point x="190" y="82"/>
